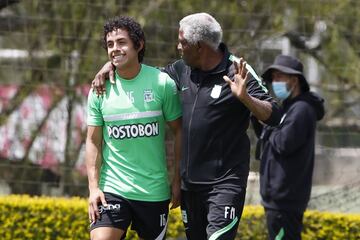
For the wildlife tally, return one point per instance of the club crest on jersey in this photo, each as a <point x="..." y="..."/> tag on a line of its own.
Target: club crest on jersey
<point x="216" y="91"/>
<point x="148" y="95"/>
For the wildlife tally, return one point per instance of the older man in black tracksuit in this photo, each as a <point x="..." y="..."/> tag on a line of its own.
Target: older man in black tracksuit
<point x="215" y="146"/>
<point x="287" y="156"/>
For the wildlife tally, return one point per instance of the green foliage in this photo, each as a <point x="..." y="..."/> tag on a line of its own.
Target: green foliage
<point x="24" y="217"/>
<point x="66" y="26"/>
<point x="320" y="225"/>
<point x="252" y="224"/>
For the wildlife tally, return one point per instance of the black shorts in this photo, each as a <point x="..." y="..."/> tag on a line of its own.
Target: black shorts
<point x="213" y="214"/>
<point x="148" y="219"/>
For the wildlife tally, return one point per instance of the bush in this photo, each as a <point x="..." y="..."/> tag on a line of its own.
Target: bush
<point x="24" y="217"/>
<point x="322" y="225"/>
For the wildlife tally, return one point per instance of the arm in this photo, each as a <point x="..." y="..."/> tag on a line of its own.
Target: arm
<point x="93" y="164"/>
<point x="172" y="113"/>
<point x="264" y="110"/>
<point x="176" y="181"/>
<point x="106" y="72"/>
<point x="260" y="109"/>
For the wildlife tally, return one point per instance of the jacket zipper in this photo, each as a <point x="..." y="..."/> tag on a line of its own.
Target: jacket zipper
<point x="189" y="133"/>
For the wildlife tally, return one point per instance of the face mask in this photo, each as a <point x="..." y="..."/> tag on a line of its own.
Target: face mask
<point x="280" y="90"/>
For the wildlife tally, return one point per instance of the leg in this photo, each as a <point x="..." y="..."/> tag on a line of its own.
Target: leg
<point x="283" y="224"/>
<point x="193" y="210"/>
<point x="226" y="203"/>
<point x="106" y="233"/>
<point x="273" y="223"/>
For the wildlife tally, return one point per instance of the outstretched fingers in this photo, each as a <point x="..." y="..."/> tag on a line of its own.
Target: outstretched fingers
<point x="238" y="84"/>
<point x="228" y="80"/>
<point x="241" y="68"/>
<point x="244" y="71"/>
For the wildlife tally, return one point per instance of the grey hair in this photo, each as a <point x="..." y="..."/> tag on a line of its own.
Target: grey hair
<point x="201" y="27"/>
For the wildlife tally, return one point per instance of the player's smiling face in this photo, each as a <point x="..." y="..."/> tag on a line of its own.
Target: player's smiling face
<point x="120" y="48"/>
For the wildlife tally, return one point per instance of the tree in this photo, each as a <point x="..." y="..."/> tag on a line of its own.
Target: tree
<point x="62" y="40"/>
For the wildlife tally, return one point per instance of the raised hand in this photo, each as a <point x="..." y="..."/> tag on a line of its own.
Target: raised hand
<point x="238" y="85"/>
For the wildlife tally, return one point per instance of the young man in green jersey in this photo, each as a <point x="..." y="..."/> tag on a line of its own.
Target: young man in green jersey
<point x="125" y="149"/>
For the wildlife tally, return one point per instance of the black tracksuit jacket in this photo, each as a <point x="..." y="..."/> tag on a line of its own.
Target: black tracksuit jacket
<point x="215" y="146"/>
<point x="287" y="159"/>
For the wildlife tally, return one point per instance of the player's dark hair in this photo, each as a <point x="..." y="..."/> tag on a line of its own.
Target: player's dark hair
<point x="133" y="28"/>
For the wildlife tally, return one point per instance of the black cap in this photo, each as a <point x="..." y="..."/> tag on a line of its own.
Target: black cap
<point x="288" y="65"/>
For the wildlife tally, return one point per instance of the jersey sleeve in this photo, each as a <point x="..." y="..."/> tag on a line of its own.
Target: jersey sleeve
<point x="94" y="116"/>
<point x="171" y="105"/>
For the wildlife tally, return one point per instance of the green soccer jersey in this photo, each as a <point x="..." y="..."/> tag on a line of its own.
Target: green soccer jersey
<point x="133" y="114"/>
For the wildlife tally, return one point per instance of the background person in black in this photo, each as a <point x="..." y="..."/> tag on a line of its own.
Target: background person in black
<point x="216" y="148"/>
<point x="287" y="151"/>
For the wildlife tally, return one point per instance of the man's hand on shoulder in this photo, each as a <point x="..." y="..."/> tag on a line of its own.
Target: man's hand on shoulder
<point x="106" y="72"/>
